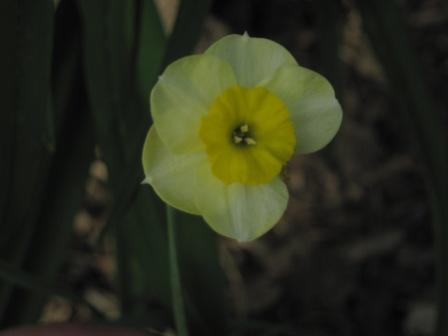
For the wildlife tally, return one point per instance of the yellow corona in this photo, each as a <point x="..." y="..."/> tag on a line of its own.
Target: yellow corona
<point x="248" y="135"/>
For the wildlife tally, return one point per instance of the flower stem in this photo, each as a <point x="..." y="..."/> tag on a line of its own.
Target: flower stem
<point x="176" y="287"/>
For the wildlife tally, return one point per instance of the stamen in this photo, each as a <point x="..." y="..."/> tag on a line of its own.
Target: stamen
<point x="250" y="141"/>
<point x="242" y="136"/>
<point x="237" y="139"/>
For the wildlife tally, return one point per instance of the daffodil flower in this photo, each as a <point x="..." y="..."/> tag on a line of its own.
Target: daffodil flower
<point x="225" y="125"/>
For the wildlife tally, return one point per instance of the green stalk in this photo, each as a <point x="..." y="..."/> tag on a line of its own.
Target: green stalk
<point x="176" y="287"/>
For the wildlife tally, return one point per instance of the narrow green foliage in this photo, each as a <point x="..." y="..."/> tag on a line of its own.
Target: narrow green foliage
<point x="120" y="110"/>
<point x="175" y="278"/>
<point x="8" y="27"/>
<point x="120" y="116"/>
<point x="149" y="46"/>
<point x="104" y="71"/>
<point x="28" y="26"/>
<point x="385" y="26"/>
<point x="72" y="146"/>
<point x="186" y="31"/>
<point x="142" y="260"/>
<point x="203" y="279"/>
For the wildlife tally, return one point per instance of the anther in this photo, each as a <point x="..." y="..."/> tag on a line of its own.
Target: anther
<point x="242" y="136"/>
<point x="237" y="139"/>
<point x="250" y="141"/>
<point x="244" y="128"/>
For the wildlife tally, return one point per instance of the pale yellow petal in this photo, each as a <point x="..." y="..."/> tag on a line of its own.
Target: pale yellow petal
<point x="173" y="176"/>
<point x="311" y="101"/>
<point x="182" y="96"/>
<point x="254" y="60"/>
<point x="242" y="212"/>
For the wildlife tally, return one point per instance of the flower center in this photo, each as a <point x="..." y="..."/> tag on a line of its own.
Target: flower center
<point x="241" y="136"/>
<point x="248" y="135"/>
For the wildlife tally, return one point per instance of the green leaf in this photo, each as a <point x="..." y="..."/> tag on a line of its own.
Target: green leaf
<point x="202" y="276"/>
<point x="28" y="29"/>
<point x="119" y="48"/>
<point x="142" y="254"/>
<point x="8" y="26"/>
<point x="67" y="171"/>
<point x="187" y="29"/>
<point x="150" y="46"/>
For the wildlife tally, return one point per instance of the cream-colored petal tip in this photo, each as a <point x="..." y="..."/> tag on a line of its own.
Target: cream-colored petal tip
<point x="173" y="177"/>
<point x="244" y="212"/>
<point x="253" y="59"/>
<point x="146" y="180"/>
<point x="314" y="109"/>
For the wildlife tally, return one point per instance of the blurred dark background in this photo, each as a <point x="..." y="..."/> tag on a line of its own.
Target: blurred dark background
<point x="362" y="248"/>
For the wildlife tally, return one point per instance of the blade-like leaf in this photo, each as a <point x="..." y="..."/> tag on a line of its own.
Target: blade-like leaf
<point x="187" y="29"/>
<point x="25" y="130"/>
<point x="202" y="275"/>
<point x="8" y="26"/>
<point x="114" y="65"/>
<point x="142" y="261"/>
<point x="73" y="153"/>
